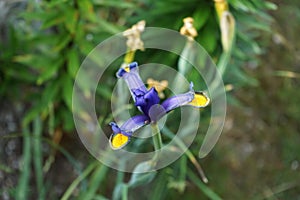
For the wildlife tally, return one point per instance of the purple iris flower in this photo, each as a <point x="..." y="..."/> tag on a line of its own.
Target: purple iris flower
<point x="148" y="102"/>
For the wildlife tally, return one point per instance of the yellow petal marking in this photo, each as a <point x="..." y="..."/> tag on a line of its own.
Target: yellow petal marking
<point x="200" y="100"/>
<point x="127" y="69"/>
<point x="119" y="140"/>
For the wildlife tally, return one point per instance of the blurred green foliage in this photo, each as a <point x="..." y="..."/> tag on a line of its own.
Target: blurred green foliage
<point x="43" y="44"/>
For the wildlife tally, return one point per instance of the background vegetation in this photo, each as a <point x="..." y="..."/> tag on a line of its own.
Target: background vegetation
<point x="42" y="44"/>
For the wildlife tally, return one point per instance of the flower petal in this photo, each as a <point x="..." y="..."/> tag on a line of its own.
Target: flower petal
<point x="200" y="100"/>
<point x="121" y="135"/>
<point x="119" y="140"/>
<point x="135" y="123"/>
<point x="115" y="128"/>
<point x="144" y="101"/>
<point x="177" y="101"/>
<point x="191" y="98"/>
<point x="130" y="74"/>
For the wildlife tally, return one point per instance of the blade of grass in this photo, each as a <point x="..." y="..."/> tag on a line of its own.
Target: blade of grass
<point x="159" y="190"/>
<point x="187" y="152"/>
<point x="125" y="192"/>
<point x="96" y="180"/>
<point x="82" y="176"/>
<point x="56" y="139"/>
<point x="22" y="188"/>
<point x="68" y="156"/>
<point x="287" y="74"/>
<point x="183" y="169"/>
<point x="206" y="190"/>
<point x="37" y="157"/>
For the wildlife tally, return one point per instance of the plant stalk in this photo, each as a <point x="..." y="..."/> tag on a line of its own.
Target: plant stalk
<point x="157" y="141"/>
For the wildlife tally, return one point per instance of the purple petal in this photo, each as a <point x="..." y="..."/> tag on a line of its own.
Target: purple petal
<point x="123" y="70"/>
<point x="132" y="78"/>
<point x="144" y="101"/>
<point x="177" y="101"/>
<point x="156" y="112"/>
<point x="135" y="123"/>
<point x="115" y="128"/>
<point x="134" y="81"/>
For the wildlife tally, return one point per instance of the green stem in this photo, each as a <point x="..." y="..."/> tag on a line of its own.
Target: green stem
<point x="157" y="141"/>
<point x="205" y="189"/>
<point x="129" y="57"/>
<point x="37" y="158"/>
<point x="125" y="192"/>
<point x="22" y="188"/>
<point x="75" y="183"/>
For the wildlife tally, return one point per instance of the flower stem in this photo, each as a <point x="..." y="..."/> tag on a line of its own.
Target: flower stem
<point x="157" y="141"/>
<point x="129" y="57"/>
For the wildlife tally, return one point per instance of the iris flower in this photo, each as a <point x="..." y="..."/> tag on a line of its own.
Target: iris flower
<point x="148" y="103"/>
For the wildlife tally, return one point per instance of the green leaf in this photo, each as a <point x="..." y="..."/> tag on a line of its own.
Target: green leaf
<point x="97" y="178"/>
<point x="50" y="93"/>
<point x="71" y="19"/>
<point x="109" y="27"/>
<point x="62" y="42"/>
<point x="22" y="190"/>
<point x="205" y="189"/>
<point x="41" y="106"/>
<point x="200" y="16"/>
<point x="33" y="113"/>
<point x="270" y="5"/>
<point x="30" y="60"/>
<point x="87" y="10"/>
<point x="115" y="3"/>
<point x="56" y="2"/>
<point x="73" y="62"/>
<point x="105" y="92"/>
<point x="243" y="5"/>
<point x="139" y="178"/>
<point x="208" y="39"/>
<point x="67" y="89"/>
<point x="85" y="47"/>
<point x="67" y="120"/>
<point x="52" y="19"/>
<point x="118" y="191"/>
<point x="79" y="179"/>
<point x="34" y="15"/>
<point x="49" y="71"/>
<point x="38" y="156"/>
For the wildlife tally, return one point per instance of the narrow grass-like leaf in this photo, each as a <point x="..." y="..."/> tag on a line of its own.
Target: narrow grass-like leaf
<point x="287" y="74"/>
<point x="67" y="89"/>
<point x="115" y="4"/>
<point x="37" y="159"/>
<point x="125" y="192"/>
<point x="188" y="153"/>
<point x="138" y="178"/>
<point x="49" y="71"/>
<point x="68" y="156"/>
<point x="206" y="190"/>
<point x="73" y="62"/>
<point x="75" y="183"/>
<point x="200" y="16"/>
<point x="96" y="180"/>
<point x="159" y="191"/>
<point x="23" y="184"/>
